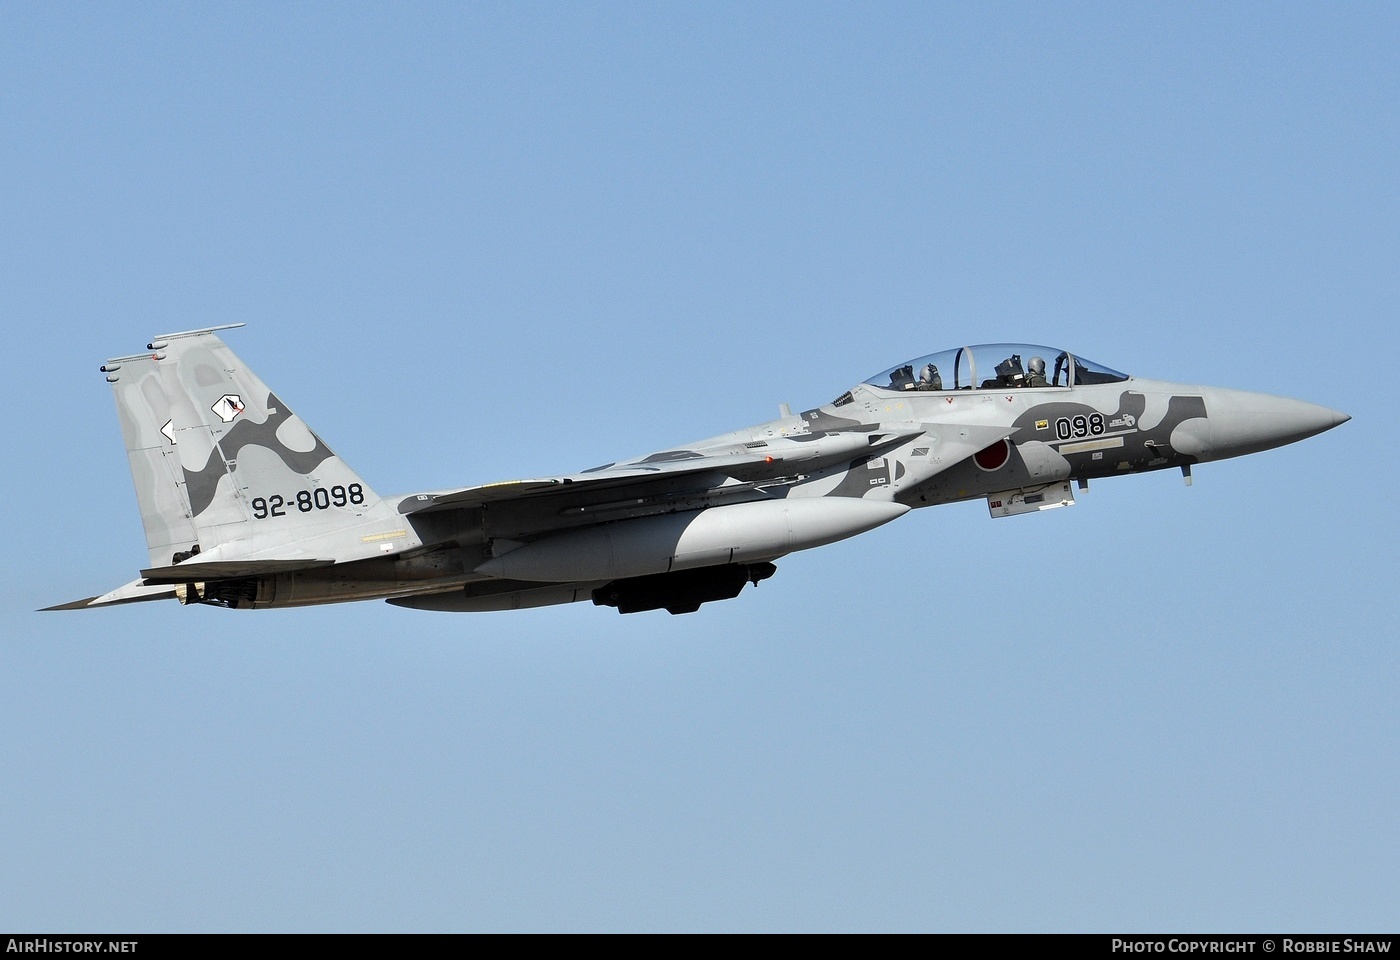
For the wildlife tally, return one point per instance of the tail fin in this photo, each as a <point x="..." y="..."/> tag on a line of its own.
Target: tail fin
<point x="218" y="458"/>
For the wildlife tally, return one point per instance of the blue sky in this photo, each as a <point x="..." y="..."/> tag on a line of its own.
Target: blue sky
<point x="481" y="242"/>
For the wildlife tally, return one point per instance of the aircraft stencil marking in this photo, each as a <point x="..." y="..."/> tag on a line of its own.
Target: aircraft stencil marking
<point x="669" y="530"/>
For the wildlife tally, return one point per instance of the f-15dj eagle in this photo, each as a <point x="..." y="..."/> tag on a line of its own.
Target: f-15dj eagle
<point x="244" y="506"/>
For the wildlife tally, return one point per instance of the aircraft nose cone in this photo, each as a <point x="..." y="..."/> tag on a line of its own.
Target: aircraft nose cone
<point x="1243" y="422"/>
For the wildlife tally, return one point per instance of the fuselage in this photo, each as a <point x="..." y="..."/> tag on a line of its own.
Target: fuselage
<point x="259" y="512"/>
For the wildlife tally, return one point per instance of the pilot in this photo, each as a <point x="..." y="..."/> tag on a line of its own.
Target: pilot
<point x="1037" y="373"/>
<point x="929" y="378"/>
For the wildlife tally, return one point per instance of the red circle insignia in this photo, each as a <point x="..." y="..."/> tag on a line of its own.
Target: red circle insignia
<point x="993" y="457"/>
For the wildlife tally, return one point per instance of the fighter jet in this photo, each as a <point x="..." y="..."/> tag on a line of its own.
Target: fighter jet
<point x="245" y="507"/>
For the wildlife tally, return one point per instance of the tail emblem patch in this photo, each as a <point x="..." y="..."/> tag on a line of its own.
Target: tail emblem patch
<point x="227" y="407"/>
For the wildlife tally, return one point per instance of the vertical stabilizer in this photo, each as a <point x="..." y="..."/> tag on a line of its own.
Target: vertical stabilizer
<point x="217" y="458"/>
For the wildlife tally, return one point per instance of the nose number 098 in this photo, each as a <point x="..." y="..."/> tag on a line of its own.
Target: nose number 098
<point x="1068" y="428"/>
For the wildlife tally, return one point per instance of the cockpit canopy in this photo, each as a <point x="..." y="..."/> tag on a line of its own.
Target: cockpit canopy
<point x="994" y="366"/>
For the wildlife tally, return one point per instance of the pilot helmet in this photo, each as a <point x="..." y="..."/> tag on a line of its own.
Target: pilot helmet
<point x="1037" y="367"/>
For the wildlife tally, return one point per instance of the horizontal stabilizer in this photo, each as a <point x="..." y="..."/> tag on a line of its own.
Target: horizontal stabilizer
<point x="226" y="570"/>
<point x="133" y="592"/>
<point x="70" y="605"/>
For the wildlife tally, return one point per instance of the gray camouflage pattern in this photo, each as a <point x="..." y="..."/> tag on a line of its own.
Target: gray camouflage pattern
<point x="244" y="506"/>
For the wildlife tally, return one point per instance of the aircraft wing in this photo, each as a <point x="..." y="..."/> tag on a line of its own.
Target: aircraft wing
<point x="718" y="467"/>
<point x="753" y="462"/>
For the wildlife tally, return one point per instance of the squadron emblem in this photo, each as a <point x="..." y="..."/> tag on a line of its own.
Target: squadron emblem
<point x="227" y="407"/>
